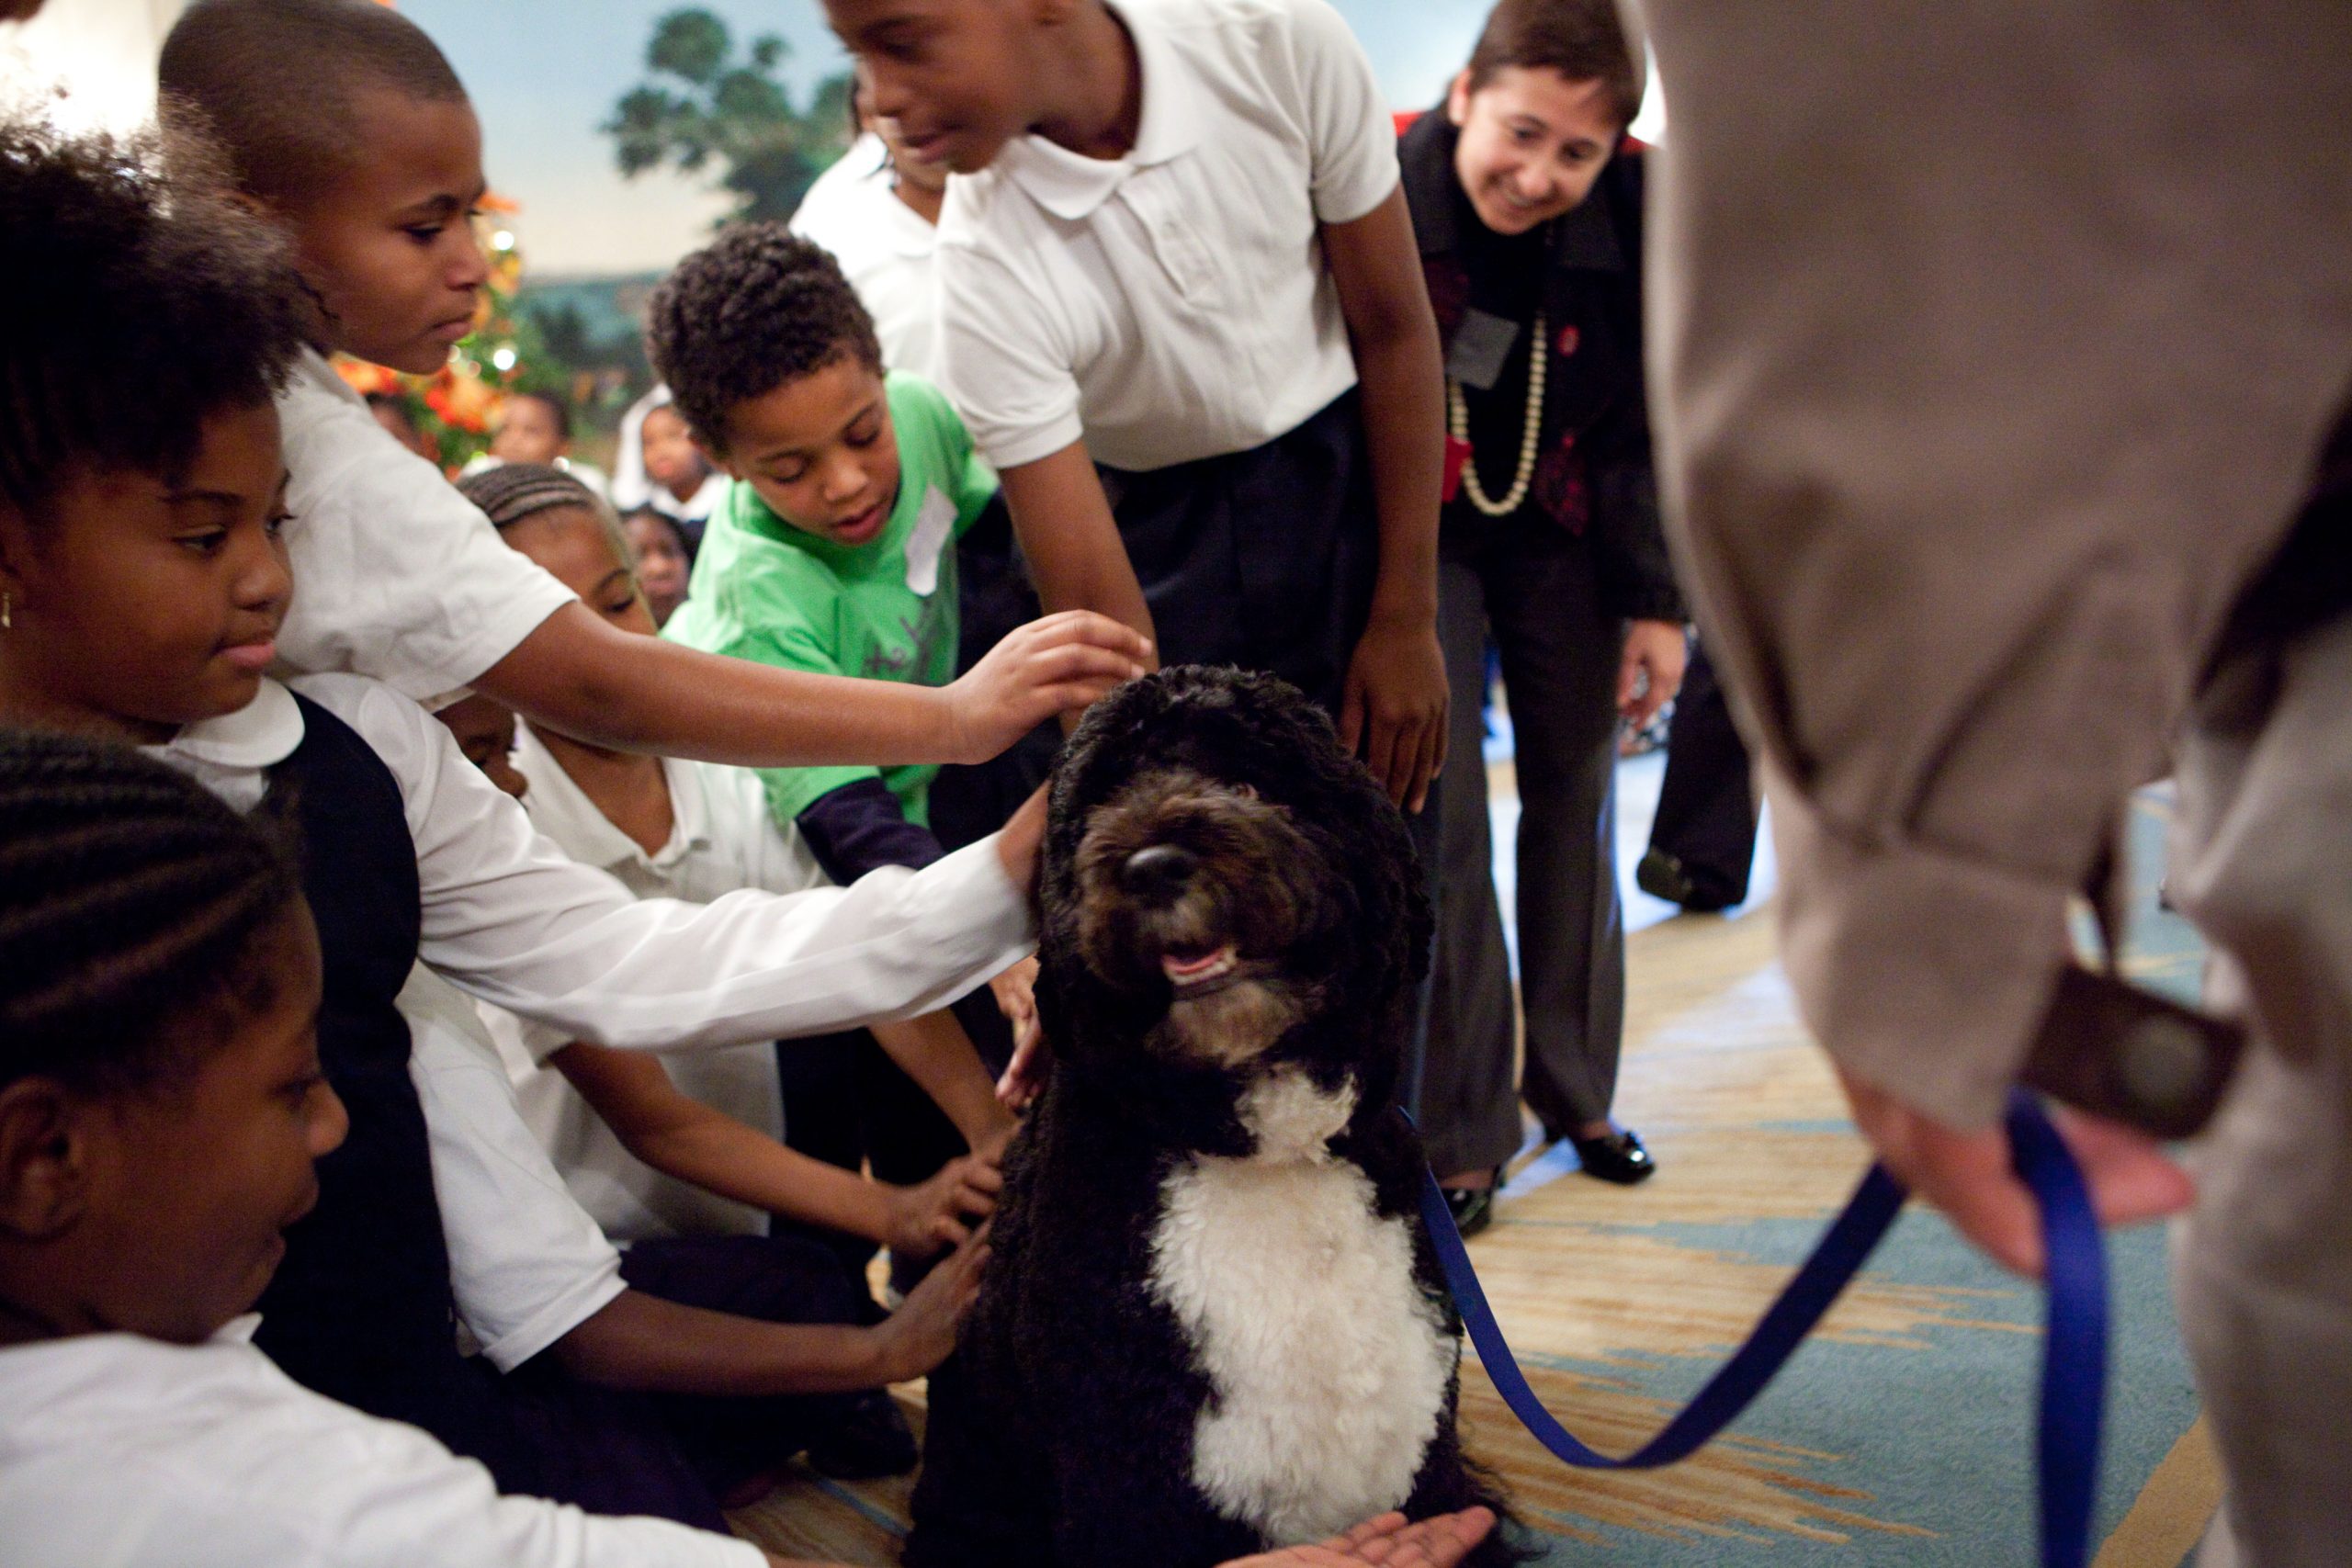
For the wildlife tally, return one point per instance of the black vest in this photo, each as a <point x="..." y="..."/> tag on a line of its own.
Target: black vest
<point x="360" y="1310"/>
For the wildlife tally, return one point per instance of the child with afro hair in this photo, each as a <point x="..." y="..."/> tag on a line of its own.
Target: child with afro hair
<point x="834" y="553"/>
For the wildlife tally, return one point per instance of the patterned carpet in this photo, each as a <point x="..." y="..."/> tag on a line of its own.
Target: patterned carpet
<point x="1901" y="1434"/>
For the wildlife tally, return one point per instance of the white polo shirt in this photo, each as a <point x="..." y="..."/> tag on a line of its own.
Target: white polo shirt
<point x="722" y="838"/>
<point x="396" y="575"/>
<point x="527" y="1264"/>
<point x="1172" y="304"/>
<point x="512" y="920"/>
<point x="886" y="249"/>
<point x="138" y="1454"/>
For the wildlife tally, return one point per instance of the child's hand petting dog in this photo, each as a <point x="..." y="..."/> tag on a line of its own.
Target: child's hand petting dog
<point x="1437" y="1542"/>
<point x="918" y="1336"/>
<point x="940" y="1212"/>
<point x="1016" y="996"/>
<point x="1055" y="665"/>
<point x="1024" y="1076"/>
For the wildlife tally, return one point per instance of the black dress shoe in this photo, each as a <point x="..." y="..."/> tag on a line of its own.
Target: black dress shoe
<point x="1663" y="875"/>
<point x="1473" y="1207"/>
<point x="1619" y="1157"/>
<point x="871" y="1441"/>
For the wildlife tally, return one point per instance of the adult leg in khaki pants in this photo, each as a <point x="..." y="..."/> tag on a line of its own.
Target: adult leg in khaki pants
<point x="2265" y="1266"/>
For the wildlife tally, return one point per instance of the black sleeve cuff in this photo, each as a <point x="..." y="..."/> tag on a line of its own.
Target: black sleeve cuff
<point x="859" y="828"/>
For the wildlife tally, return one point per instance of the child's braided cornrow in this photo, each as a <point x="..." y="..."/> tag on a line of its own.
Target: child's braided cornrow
<point x="127" y="893"/>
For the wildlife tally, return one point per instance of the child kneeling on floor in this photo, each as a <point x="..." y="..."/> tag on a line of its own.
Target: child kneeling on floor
<point x="663" y="1149"/>
<point x="162" y="1102"/>
<point x="834" y="553"/>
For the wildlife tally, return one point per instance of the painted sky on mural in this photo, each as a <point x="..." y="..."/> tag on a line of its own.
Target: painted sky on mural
<point x="545" y="73"/>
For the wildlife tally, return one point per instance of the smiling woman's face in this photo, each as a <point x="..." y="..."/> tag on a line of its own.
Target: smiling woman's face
<point x="1532" y="144"/>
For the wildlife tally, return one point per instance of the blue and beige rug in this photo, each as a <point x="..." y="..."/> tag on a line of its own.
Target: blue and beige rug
<point x="1901" y="1434"/>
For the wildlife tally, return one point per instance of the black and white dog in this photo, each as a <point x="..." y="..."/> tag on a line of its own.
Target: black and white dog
<point x="1211" y="1324"/>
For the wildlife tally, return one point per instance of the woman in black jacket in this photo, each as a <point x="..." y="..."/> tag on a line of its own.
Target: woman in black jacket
<point x="1526" y="198"/>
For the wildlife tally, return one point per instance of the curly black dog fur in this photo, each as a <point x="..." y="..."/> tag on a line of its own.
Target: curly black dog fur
<point x="1212" y="1323"/>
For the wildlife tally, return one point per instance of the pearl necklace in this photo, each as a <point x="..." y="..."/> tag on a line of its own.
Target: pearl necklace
<point x="1457" y="419"/>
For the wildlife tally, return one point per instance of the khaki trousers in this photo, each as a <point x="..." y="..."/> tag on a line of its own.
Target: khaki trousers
<point x="2264" y="866"/>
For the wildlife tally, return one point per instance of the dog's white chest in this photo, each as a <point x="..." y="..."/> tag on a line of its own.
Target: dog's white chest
<point x="1328" y="1365"/>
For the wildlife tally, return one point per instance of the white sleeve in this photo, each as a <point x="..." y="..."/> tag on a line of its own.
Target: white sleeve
<point x="282" y="1477"/>
<point x="397" y="575"/>
<point x="507" y="916"/>
<point x="1352" y="136"/>
<point x="526" y="1262"/>
<point x="1001" y="362"/>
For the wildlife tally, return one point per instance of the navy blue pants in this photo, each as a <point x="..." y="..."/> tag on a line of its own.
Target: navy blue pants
<point x="1706" y="808"/>
<point x="671" y="1456"/>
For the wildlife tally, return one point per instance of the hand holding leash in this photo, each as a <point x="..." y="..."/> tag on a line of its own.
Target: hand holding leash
<point x="2074" y="1370"/>
<point x="1972" y="1175"/>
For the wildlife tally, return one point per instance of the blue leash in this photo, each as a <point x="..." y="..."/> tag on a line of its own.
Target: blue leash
<point x="2073" y="1363"/>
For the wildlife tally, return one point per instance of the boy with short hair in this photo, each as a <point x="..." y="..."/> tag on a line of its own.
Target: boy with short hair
<point x="835" y="553"/>
<point x="1176" y="247"/>
<point x="342" y="122"/>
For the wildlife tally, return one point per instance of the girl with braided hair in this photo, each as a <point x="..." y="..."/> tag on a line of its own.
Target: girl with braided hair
<point x="162" y="1104"/>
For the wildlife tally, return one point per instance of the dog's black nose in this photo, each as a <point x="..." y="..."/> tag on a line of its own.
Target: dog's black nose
<point x="1157" y="871"/>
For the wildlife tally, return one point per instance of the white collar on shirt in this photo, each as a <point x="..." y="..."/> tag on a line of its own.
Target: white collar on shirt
<point x="559" y="809"/>
<point x="1071" y="186"/>
<point x="232" y="755"/>
<point x="320" y="372"/>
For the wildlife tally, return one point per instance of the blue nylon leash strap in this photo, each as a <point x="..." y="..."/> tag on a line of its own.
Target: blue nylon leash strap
<point x="2074" y="1367"/>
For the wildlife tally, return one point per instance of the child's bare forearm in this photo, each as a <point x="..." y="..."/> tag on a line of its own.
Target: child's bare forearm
<point x="737" y="1161"/>
<point x="579" y="676"/>
<point x="1408" y="474"/>
<point x="586" y="679"/>
<point x="934" y="1051"/>
<point x="702" y="1145"/>
<point x="1070" y="539"/>
<point x="645" y="1344"/>
<point x="1375" y="265"/>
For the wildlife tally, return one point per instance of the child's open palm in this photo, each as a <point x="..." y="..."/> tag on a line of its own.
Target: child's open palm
<point x="1437" y="1542"/>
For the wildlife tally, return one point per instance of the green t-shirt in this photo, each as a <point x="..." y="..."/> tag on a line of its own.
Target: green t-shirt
<point x="765" y="591"/>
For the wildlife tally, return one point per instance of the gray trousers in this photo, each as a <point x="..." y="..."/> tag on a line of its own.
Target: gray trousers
<point x="1533" y="585"/>
<point x="2264" y="1268"/>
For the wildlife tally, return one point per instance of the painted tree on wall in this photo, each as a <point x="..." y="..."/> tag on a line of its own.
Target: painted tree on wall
<point x="705" y="107"/>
